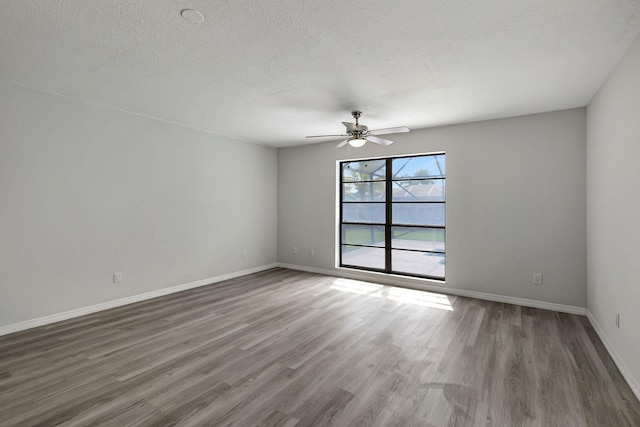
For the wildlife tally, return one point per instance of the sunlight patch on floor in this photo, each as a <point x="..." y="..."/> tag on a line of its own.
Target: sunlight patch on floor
<point x="427" y="299"/>
<point x="357" y="287"/>
<point x="391" y="293"/>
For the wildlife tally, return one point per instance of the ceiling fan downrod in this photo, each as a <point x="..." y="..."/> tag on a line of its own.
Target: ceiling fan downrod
<point x="356" y="134"/>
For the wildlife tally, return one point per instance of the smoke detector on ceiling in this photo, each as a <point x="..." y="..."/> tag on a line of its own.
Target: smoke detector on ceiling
<point x="192" y="15"/>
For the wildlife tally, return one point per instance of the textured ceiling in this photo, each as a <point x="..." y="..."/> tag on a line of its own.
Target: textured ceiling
<point x="273" y="72"/>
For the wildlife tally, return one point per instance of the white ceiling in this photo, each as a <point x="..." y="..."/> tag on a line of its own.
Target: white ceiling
<point x="272" y="72"/>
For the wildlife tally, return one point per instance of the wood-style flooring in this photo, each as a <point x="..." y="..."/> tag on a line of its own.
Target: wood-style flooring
<point x="287" y="348"/>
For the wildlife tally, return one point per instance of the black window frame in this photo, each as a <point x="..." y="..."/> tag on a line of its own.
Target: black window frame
<point x="388" y="224"/>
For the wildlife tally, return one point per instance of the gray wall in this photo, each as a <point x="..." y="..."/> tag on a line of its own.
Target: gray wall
<point x="613" y="208"/>
<point x="87" y="191"/>
<point x="515" y="203"/>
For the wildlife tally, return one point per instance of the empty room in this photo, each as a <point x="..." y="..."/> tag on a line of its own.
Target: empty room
<point x="295" y="213"/>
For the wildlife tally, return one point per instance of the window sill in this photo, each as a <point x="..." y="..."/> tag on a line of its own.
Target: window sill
<point x="395" y="278"/>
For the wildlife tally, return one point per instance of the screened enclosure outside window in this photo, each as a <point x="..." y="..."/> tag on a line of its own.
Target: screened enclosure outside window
<point x="392" y="215"/>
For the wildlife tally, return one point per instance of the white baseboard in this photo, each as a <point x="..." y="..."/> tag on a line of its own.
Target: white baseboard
<point x="392" y="280"/>
<point x="634" y="384"/>
<point x="46" y="320"/>
<point x="434" y="286"/>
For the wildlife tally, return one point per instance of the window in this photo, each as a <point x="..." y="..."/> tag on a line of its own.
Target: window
<point x="392" y="215"/>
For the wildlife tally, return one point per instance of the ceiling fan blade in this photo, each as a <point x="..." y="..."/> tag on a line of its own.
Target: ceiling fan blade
<point x="324" y="136"/>
<point x="377" y="140"/>
<point x="387" y="131"/>
<point x="342" y="144"/>
<point x="351" y="127"/>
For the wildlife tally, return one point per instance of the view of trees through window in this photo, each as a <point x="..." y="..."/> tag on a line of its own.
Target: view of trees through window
<point x="392" y="215"/>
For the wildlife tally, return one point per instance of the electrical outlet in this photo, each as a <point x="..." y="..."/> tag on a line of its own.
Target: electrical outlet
<point x="294" y="250"/>
<point x="312" y="252"/>
<point x="537" y="278"/>
<point x="244" y="254"/>
<point x="618" y="320"/>
<point x="117" y="277"/>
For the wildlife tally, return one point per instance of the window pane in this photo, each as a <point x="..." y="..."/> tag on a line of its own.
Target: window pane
<point x="418" y="190"/>
<point x="363" y="212"/>
<point x="418" y="213"/>
<point x="363" y="235"/>
<point x="363" y="257"/>
<point x="368" y="170"/>
<point x="424" y="239"/>
<point x="420" y="263"/>
<point x="418" y="167"/>
<point x="414" y="196"/>
<point x="363" y="191"/>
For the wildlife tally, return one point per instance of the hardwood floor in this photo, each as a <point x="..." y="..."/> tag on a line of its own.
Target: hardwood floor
<point x="287" y="348"/>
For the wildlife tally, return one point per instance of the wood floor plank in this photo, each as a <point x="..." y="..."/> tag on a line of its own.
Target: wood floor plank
<point x="289" y="348"/>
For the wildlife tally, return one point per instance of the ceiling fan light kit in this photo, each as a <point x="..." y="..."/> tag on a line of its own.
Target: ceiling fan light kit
<point x="357" y="142"/>
<point x="359" y="134"/>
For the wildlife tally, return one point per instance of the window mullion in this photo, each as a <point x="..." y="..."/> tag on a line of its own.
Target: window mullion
<point x="388" y="216"/>
<point x="341" y="239"/>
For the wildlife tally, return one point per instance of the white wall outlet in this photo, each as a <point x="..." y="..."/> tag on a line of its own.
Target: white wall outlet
<point x="537" y="278"/>
<point x="117" y="277"/>
<point x="618" y="320"/>
<point x="312" y="252"/>
<point x="244" y="254"/>
<point x="294" y="250"/>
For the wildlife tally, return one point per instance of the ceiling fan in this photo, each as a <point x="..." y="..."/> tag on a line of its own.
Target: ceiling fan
<point x="359" y="134"/>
